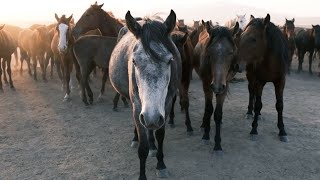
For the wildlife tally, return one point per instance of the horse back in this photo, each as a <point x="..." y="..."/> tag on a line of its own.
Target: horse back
<point x="7" y="43"/>
<point x="304" y="40"/>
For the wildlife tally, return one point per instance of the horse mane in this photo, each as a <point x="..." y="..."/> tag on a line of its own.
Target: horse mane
<point x="153" y="30"/>
<point x="218" y="32"/>
<point x="276" y="42"/>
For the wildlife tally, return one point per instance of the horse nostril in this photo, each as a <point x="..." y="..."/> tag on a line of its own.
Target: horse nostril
<point x="223" y="87"/>
<point x="141" y="118"/>
<point x="161" y="121"/>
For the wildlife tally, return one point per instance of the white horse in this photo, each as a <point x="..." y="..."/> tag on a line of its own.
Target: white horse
<point x="241" y="19"/>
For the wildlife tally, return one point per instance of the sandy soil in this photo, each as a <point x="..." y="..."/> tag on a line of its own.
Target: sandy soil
<point x="42" y="137"/>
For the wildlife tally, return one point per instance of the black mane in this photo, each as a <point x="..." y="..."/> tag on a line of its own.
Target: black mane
<point x="156" y="31"/>
<point x="276" y="42"/>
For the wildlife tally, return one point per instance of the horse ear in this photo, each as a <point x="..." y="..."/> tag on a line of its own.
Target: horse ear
<point x="1" y="27"/>
<point x="202" y="21"/>
<point x="133" y="25"/>
<point x="235" y="29"/>
<point x="100" y="6"/>
<point x="208" y="26"/>
<point x="286" y="20"/>
<point x="266" y="19"/>
<point x="170" y="22"/>
<point x="69" y="18"/>
<point x="293" y="20"/>
<point x="251" y="17"/>
<point x="313" y="26"/>
<point x="57" y="17"/>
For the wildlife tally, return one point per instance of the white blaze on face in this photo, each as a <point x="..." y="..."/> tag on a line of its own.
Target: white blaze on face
<point x="152" y="79"/>
<point x="63" y="29"/>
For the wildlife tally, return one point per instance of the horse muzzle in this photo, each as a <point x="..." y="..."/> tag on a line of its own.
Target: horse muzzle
<point x="152" y="122"/>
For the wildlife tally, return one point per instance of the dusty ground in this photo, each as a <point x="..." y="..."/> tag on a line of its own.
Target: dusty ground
<point x="42" y="137"/>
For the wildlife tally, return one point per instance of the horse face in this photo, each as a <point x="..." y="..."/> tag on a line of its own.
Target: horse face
<point x="316" y="35"/>
<point x="253" y="42"/>
<point x="220" y="54"/>
<point x="241" y="19"/>
<point x="63" y="30"/>
<point x="289" y="29"/>
<point x="152" y="77"/>
<point x="89" y="20"/>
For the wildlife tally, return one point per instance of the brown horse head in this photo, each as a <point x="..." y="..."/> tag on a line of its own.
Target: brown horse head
<point x="253" y="40"/>
<point x="196" y="24"/>
<point x="64" y="30"/>
<point x="289" y="29"/>
<point x="219" y="56"/>
<point x="316" y="35"/>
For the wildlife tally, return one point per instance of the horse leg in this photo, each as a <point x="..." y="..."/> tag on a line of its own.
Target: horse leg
<point x="135" y="139"/>
<point x="43" y="65"/>
<point x="89" y="91"/>
<point x="251" y="98"/>
<point x="171" y="116"/>
<point x="103" y="83"/>
<point x="143" y="148"/>
<point x="300" y="57"/>
<point x="4" y="70"/>
<point x="28" y="59"/>
<point x="218" y="119"/>
<point x="115" y="101"/>
<point x="207" y="112"/>
<point x="279" y="86"/>
<point x="15" y="53"/>
<point x="310" y="62"/>
<point x="66" y="64"/>
<point x="8" y="60"/>
<point x="184" y="103"/>
<point x="1" y="89"/>
<point x="161" y="167"/>
<point x="152" y="146"/>
<point x="21" y="62"/>
<point x="124" y="100"/>
<point x="83" y="87"/>
<point x="35" y="64"/>
<point x="58" y="67"/>
<point x="258" y="87"/>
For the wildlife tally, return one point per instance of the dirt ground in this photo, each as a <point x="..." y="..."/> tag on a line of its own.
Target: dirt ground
<point x="42" y="137"/>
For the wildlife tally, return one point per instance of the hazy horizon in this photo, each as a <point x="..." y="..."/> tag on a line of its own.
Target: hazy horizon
<point x="24" y="13"/>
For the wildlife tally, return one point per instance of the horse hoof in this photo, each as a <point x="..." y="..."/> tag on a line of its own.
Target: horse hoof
<point x="172" y="125"/>
<point x="152" y="153"/>
<point x="134" y="144"/>
<point x="218" y="152"/>
<point x="205" y="141"/>
<point x="189" y="133"/>
<point x="253" y="137"/>
<point x="283" y="138"/>
<point x="162" y="173"/>
<point x="249" y="116"/>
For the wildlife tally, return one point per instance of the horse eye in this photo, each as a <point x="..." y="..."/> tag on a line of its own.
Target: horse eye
<point x="134" y="62"/>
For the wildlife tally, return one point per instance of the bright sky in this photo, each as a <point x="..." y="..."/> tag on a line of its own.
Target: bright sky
<point x="26" y="12"/>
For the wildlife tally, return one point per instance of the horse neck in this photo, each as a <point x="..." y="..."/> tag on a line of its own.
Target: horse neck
<point x="110" y="26"/>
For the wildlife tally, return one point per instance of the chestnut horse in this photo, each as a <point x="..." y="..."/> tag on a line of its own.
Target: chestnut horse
<point x="265" y="50"/>
<point x="289" y="33"/>
<point x="216" y="51"/>
<point x="7" y="47"/>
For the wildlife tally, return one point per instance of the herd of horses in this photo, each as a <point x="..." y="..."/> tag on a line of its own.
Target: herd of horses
<point x="150" y="62"/>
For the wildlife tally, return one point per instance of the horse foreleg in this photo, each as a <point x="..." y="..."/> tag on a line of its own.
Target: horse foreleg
<point x="310" y="62"/>
<point x="218" y="120"/>
<point x="4" y="70"/>
<point x="171" y="116"/>
<point x="258" y="87"/>
<point x="184" y="103"/>
<point x="152" y="146"/>
<point x="300" y="58"/>
<point x="161" y="167"/>
<point x="279" y="86"/>
<point x="1" y="89"/>
<point x="135" y="140"/>
<point x="66" y="65"/>
<point x="207" y="112"/>
<point x="15" y="53"/>
<point x="251" y="98"/>
<point x="8" y="60"/>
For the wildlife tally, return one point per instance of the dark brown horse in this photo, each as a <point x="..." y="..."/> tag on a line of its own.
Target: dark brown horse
<point x="96" y="18"/>
<point x="265" y="50"/>
<point x="289" y="33"/>
<point x="217" y="54"/>
<point x="7" y="47"/>
<point x="194" y="36"/>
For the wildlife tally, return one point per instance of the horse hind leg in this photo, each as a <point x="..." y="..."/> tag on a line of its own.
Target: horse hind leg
<point x="9" y="72"/>
<point x="184" y="103"/>
<point x="103" y="84"/>
<point x="4" y="72"/>
<point x="1" y="88"/>
<point x="310" y="62"/>
<point x="171" y="116"/>
<point x="124" y="100"/>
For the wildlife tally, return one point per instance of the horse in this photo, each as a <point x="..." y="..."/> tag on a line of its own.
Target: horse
<point x="265" y="50"/>
<point x="65" y="45"/>
<point x="96" y="18"/>
<point x="7" y="47"/>
<point x="14" y="32"/>
<point x="217" y="54"/>
<point x="145" y="66"/>
<point x="91" y="51"/>
<point x="241" y="19"/>
<point x="288" y="32"/>
<point x="24" y="46"/>
<point x="194" y="36"/>
<point x="306" y="41"/>
<point x="316" y="35"/>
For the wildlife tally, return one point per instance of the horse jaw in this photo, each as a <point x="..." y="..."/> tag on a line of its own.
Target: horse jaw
<point x="63" y="29"/>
